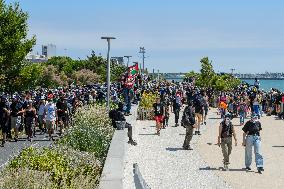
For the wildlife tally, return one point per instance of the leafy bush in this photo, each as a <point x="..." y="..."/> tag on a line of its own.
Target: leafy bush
<point x="91" y="131"/>
<point x="148" y="99"/>
<point x="58" y="166"/>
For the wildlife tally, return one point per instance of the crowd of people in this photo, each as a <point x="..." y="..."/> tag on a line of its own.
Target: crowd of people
<point x="44" y="111"/>
<point x="244" y="101"/>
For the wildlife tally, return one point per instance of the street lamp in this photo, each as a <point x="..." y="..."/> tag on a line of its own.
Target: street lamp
<point x="127" y="60"/>
<point x="142" y="50"/>
<point x="108" y="70"/>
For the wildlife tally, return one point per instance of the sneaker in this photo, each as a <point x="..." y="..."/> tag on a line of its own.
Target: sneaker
<point x="259" y="170"/>
<point x="199" y="133"/>
<point x="248" y="168"/>
<point x="205" y="123"/>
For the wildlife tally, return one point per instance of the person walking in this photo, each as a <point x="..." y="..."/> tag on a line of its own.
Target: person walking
<point x="30" y="116"/>
<point x="188" y="120"/>
<point x="242" y="111"/>
<point x="51" y="116"/>
<point x="251" y="138"/>
<point x="199" y="109"/>
<point x="159" y="114"/>
<point x="176" y="107"/>
<point x="226" y="131"/>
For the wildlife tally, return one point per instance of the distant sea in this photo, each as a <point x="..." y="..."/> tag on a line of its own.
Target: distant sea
<point x="268" y="84"/>
<point x="264" y="84"/>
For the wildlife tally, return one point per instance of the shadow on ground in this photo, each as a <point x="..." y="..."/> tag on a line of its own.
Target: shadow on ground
<point x="174" y="149"/>
<point x="221" y="169"/>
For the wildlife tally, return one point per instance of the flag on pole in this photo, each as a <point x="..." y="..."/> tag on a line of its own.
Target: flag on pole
<point x="133" y="70"/>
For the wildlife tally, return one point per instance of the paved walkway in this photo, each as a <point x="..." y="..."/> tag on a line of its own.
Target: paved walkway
<point x="272" y="149"/>
<point x="163" y="163"/>
<point x="12" y="149"/>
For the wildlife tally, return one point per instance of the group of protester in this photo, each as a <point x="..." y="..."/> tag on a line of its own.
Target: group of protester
<point x="51" y="110"/>
<point x="45" y="111"/>
<point x="244" y="101"/>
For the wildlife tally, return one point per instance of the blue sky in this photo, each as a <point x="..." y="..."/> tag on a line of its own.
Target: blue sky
<point x="245" y="35"/>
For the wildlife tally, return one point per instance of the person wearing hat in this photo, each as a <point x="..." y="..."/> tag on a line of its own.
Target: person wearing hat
<point x="251" y="138"/>
<point x="226" y="131"/>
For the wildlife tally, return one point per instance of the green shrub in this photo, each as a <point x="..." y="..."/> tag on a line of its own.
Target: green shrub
<point x="63" y="165"/>
<point x="91" y="131"/>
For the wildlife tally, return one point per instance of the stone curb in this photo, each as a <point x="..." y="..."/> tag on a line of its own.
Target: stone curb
<point x="113" y="171"/>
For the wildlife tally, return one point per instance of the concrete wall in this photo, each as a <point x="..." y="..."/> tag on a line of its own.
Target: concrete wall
<point x="112" y="175"/>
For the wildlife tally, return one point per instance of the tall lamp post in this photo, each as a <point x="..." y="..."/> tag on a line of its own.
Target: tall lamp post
<point x="127" y="60"/>
<point x="142" y="50"/>
<point x="108" y="70"/>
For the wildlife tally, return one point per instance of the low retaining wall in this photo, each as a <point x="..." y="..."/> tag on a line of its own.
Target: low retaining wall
<point x="113" y="171"/>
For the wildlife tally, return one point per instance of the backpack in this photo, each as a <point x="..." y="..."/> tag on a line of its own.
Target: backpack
<point x="188" y="117"/>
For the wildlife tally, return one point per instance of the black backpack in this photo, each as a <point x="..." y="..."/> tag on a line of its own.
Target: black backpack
<point x="188" y="117"/>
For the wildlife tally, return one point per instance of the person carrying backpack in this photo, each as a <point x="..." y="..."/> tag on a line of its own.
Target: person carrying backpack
<point x="199" y="109"/>
<point x="188" y="120"/>
<point x="226" y="131"/>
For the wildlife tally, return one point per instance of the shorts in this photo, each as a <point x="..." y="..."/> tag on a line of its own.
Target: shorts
<point x="16" y="122"/>
<point x="40" y="119"/>
<point x="198" y="116"/>
<point x="159" y="118"/>
<point x="50" y="125"/>
<point x="62" y="118"/>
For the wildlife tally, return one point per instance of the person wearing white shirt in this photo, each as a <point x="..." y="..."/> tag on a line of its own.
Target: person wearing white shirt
<point x="51" y="116"/>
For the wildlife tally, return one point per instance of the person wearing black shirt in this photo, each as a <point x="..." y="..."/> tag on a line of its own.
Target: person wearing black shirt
<point x="226" y="131"/>
<point x="159" y="114"/>
<point x="3" y="120"/>
<point x="61" y="107"/>
<point x="188" y="120"/>
<point x="117" y="115"/>
<point x="16" y="112"/>
<point x="251" y="138"/>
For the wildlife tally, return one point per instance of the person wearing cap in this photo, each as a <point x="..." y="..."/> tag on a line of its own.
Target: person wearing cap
<point x="226" y="131"/>
<point x="51" y="116"/>
<point x="251" y="138"/>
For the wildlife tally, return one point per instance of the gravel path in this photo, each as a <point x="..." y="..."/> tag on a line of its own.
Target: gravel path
<point x="12" y="149"/>
<point x="162" y="162"/>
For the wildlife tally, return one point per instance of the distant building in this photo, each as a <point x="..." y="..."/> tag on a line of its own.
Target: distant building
<point x="117" y="60"/>
<point x="49" y="50"/>
<point x="36" y="58"/>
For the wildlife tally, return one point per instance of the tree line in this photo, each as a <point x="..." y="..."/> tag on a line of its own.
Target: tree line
<point x="207" y="78"/>
<point x="16" y="73"/>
